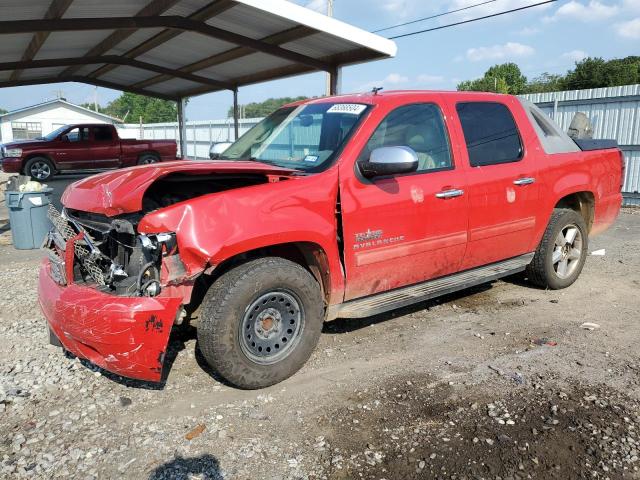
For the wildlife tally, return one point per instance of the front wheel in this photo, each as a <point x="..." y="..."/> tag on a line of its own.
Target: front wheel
<point x="562" y="252"/>
<point x="260" y="322"/>
<point x="39" y="168"/>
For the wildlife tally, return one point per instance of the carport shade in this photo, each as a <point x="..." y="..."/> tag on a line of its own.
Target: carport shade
<point x="174" y="49"/>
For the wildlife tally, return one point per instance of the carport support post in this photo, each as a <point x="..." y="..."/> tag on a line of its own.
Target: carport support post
<point x="182" y="127"/>
<point x="236" y="126"/>
<point x="335" y="81"/>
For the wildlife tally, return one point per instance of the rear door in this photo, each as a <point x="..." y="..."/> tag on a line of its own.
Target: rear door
<point x="404" y="229"/>
<point x="501" y="181"/>
<point x="105" y="147"/>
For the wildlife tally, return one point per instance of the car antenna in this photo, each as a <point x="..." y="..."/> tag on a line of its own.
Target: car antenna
<point x="375" y="90"/>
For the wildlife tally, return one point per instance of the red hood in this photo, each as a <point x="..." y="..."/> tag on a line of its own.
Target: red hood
<point x="121" y="191"/>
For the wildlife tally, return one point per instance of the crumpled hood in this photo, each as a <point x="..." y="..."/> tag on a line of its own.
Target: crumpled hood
<point x="121" y="191"/>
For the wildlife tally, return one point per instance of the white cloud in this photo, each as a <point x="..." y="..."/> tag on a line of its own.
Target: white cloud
<point x="392" y="80"/>
<point x="426" y="79"/>
<point x="575" y="55"/>
<point x="528" y="31"/>
<point x="584" y="12"/>
<point x="630" y="29"/>
<point x="499" y="52"/>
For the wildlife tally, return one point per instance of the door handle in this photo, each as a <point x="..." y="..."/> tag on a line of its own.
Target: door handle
<point x="450" y="193"/>
<point x="524" y="181"/>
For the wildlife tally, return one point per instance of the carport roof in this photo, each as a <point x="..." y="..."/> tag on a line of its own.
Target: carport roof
<point x="174" y="48"/>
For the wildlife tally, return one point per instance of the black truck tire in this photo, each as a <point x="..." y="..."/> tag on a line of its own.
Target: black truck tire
<point x="39" y="169"/>
<point x="260" y="322"/>
<point x="562" y="252"/>
<point x="148" y="158"/>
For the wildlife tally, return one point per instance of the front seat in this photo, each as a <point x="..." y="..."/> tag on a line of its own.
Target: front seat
<point x="415" y="139"/>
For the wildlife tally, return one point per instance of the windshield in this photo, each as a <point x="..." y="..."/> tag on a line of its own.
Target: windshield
<point x="305" y="138"/>
<point x="53" y="135"/>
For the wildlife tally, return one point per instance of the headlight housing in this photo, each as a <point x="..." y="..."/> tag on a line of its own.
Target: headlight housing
<point x="12" y="152"/>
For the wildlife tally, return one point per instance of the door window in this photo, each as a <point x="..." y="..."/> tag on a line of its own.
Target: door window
<point x="490" y="133"/>
<point x="78" y="134"/>
<point x="418" y="126"/>
<point x="102" y="134"/>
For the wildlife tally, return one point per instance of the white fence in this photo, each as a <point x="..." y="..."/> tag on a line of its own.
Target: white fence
<point x="201" y="134"/>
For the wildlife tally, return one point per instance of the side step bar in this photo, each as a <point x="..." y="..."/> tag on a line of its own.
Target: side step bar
<point x="401" y="297"/>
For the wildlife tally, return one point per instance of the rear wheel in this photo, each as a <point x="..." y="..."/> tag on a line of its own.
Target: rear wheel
<point x="39" y="168"/>
<point x="562" y="252"/>
<point x="148" y="158"/>
<point x="260" y="322"/>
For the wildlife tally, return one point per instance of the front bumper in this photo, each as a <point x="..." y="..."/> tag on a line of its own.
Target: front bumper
<point x="124" y="335"/>
<point x="10" y="165"/>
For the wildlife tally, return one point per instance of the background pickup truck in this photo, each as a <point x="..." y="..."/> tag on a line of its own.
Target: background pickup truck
<point x="81" y="147"/>
<point x="334" y="207"/>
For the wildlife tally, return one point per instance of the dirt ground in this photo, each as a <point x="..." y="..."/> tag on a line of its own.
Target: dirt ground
<point x="497" y="382"/>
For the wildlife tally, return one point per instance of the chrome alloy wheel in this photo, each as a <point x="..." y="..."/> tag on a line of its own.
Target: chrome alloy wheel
<point x="567" y="251"/>
<point x="40" y="170"/>
<point x="271" y="327"/>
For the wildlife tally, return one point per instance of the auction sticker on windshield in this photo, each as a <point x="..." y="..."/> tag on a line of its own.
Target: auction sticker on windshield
<point x="350" y="108"/>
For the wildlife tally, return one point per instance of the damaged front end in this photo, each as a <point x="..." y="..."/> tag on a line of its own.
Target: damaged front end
<point x="110" y="295"/>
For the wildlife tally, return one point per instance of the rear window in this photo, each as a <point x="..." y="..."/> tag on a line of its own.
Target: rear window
<point x="490" y="133"/>
<point x="102" y="134"/>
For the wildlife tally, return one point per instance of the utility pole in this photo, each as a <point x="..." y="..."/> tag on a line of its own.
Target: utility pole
<point x="329" y="14"/>
<point x="95" y="98"/>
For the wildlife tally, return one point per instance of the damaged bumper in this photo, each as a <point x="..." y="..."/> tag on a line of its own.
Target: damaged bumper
<point x="124" y="335"/>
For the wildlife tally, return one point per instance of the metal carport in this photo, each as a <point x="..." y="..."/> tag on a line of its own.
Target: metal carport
<point x="175" y="49"/>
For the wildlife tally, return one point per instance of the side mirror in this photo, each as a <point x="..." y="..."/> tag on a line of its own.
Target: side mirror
<point x="64" y="138"/>
<point x="389" y="161"/>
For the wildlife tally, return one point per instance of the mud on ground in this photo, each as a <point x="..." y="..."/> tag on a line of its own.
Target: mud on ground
<point x="495" y="382"/>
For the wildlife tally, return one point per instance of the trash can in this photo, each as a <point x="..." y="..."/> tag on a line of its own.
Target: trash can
<point x="28" y="217"/>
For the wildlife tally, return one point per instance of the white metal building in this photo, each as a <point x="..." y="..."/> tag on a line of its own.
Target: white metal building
<point x="38" y="120"/>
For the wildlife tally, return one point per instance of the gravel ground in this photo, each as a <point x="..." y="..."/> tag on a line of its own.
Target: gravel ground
<point x="499" y="381"/>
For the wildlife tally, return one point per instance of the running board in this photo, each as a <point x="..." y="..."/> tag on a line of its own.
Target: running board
<point x="401" y="297"/>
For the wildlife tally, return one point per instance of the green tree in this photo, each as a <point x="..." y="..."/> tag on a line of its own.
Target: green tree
<point x="262" y="109"/>
<point x="2" y="111"/>
<point x="503" y="78"/>
<point x="133" y="106"/>
<point x="547" y="82"/>
<point x="597" y="72"/>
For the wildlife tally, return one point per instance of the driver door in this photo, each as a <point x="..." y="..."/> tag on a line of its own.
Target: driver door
<point x="400" y="229"/>
<point x="72" y="149"/>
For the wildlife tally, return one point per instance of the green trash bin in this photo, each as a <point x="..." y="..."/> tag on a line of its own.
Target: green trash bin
<point x="28" y="217"/>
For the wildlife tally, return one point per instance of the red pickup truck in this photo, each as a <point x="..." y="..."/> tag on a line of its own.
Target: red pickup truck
<point x="334" y="207"/>
<point x="81" y="147"/>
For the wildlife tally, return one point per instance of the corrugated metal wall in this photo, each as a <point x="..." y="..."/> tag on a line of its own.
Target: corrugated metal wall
<point x="614" y="111"/>
<point x="615" y="114"/>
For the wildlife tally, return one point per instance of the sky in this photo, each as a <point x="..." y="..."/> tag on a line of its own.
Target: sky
<point x="548" y="38"/>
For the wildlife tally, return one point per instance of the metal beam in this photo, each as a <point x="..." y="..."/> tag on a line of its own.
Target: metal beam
<point x="155" y="7"/>
<point x="210" y="10"/>
<point x="56" y="10"/>
<point x="182" y="132"/>
<point x="116" y="60"/>
<point x="87" y="80"/>
<point x="290" y="35"/>
<point x="236" y="120"/>
<point x="176" y="22"/>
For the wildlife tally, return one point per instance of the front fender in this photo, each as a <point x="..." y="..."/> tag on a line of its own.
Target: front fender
<point x="213" y="228"/>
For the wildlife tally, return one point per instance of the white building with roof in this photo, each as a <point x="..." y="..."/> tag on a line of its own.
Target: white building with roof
<point x="38" y="120"/>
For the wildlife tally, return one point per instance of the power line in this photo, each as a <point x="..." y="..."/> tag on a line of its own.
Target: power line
<point x="449" y="12"/>
<point x="472" y="20"/>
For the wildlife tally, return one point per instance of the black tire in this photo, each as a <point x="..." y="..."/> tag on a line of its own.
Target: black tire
<point x="148" y="158"/>
<point x="543" y="270"/>
<point x="39" y="169"/>
<point x="225" y="319"/>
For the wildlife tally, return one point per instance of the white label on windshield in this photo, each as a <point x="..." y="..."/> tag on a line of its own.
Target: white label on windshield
<point x="349" y="108"/>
